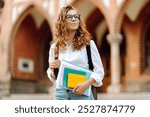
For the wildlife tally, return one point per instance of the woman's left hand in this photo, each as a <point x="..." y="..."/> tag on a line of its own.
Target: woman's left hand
<point x="80" y="88"/>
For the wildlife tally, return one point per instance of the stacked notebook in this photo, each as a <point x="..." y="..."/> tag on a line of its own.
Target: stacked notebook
<point x="73" y="77"/>
<point x="70" y="75"/>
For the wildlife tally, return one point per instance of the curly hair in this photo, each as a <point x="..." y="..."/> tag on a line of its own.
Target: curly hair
<point x="82" y="36"/>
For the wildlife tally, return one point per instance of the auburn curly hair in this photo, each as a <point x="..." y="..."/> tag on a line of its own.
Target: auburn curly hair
<point x="82" y="36"/>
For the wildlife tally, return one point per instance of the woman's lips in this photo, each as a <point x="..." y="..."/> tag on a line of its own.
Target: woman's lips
<point x="73" y="24"/>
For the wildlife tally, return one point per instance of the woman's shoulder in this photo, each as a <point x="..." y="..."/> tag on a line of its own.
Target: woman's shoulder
<point x="92" y="43"/>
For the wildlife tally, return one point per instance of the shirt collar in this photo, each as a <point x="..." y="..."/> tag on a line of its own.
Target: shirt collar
<point x="67" y="43"/>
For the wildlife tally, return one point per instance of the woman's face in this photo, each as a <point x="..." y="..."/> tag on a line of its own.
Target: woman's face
<point x="72" y="20"/>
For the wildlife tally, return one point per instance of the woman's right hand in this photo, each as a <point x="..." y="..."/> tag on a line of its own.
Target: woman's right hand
<point x="54" y="64"/>
<point x="52" y="74"/>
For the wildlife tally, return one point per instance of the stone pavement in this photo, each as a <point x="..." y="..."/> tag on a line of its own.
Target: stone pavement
<point x="102" y="96"/>
<point x="125" y="96"/>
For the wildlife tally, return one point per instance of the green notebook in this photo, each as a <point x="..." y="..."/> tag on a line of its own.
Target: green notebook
<point x="65" y="78"/>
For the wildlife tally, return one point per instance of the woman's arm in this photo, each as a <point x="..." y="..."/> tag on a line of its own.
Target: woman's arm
<point x="52" y="63"/>
<point x="98" y="70"/>
<point x="97" y="75"/>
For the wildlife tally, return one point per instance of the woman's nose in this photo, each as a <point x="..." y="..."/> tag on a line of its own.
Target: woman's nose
<point x="73" y="18"/>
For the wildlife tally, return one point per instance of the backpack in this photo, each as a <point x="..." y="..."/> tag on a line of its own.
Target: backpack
<point x="88" y="49"/>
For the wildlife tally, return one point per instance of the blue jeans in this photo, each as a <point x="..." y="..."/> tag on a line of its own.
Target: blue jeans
<point x="66" y="94"/>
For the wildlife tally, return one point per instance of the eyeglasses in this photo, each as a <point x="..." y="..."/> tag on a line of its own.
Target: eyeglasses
<point x="70" y="17"/>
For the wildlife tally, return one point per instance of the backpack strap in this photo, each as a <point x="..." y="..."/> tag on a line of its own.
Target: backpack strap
<point x="88" y="50"/>
<point x="56" y="70"/>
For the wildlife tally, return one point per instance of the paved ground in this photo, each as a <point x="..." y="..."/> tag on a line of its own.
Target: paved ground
<point x="27" y="97"/>
<point x="125" y="96"/>
<point x="104" y="96"/>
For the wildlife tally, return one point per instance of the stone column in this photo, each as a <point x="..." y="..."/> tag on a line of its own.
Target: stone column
<point x="4" y="49"/>
<point x="114" y="41"/>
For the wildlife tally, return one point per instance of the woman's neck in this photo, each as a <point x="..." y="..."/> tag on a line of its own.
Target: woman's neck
<point x="70" y="37"/>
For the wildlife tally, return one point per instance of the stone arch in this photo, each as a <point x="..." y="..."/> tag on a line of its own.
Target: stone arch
<point x="135" y="27"/>
<point x="26" y="11"/>
<point x="142" y="16"/>
<point x="97" y="3"/>
<point x="121" y="14"/>
<point x="21" y="17"/>
<point x="96" y="24"/>
<point x="144" y="34"/>
<point x="26" y="17"/>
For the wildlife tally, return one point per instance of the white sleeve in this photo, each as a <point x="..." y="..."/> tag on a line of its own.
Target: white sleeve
<point x="98" y="70"/>
<point x="51" y="57"/>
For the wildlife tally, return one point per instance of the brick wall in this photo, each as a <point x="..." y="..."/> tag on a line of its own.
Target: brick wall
<point x="136" y="79"/>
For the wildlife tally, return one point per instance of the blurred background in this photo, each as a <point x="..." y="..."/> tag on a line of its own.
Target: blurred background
<point x="121" y="31"/>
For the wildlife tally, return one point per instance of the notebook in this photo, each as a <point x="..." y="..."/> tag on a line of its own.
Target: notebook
<point x="72" y="77"/>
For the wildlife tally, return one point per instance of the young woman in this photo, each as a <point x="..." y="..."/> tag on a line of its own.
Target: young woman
<point x="71" y="38"/>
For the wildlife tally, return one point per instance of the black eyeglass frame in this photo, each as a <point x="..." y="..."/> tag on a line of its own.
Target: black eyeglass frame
<point x="70" y="17"/>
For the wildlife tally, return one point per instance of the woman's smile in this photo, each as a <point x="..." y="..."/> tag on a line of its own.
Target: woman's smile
<point x="73" y="24"/>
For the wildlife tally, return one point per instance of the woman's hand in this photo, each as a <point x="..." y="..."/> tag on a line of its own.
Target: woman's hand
<point x="81" y="87"/>
<point x="54" y="64"/>
<point x="52" y="74"/>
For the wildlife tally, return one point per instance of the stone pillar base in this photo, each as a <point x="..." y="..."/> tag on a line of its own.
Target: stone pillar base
<point x="114" y="89"/>
<point x="4" y="89"/>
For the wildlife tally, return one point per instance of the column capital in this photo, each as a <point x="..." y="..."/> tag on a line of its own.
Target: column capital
<point x="114" y="38"/>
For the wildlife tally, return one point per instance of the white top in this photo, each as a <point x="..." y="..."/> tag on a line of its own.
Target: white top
<point x="79" y="57"/>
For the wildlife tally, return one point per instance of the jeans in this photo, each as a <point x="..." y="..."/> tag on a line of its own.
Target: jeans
<point x="66" y="94"/>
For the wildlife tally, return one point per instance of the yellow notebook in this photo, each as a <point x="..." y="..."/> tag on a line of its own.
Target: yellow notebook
<point x="74" y="79"/>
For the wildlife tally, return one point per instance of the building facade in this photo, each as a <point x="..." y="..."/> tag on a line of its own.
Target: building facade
<point x="121" y="31"/>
